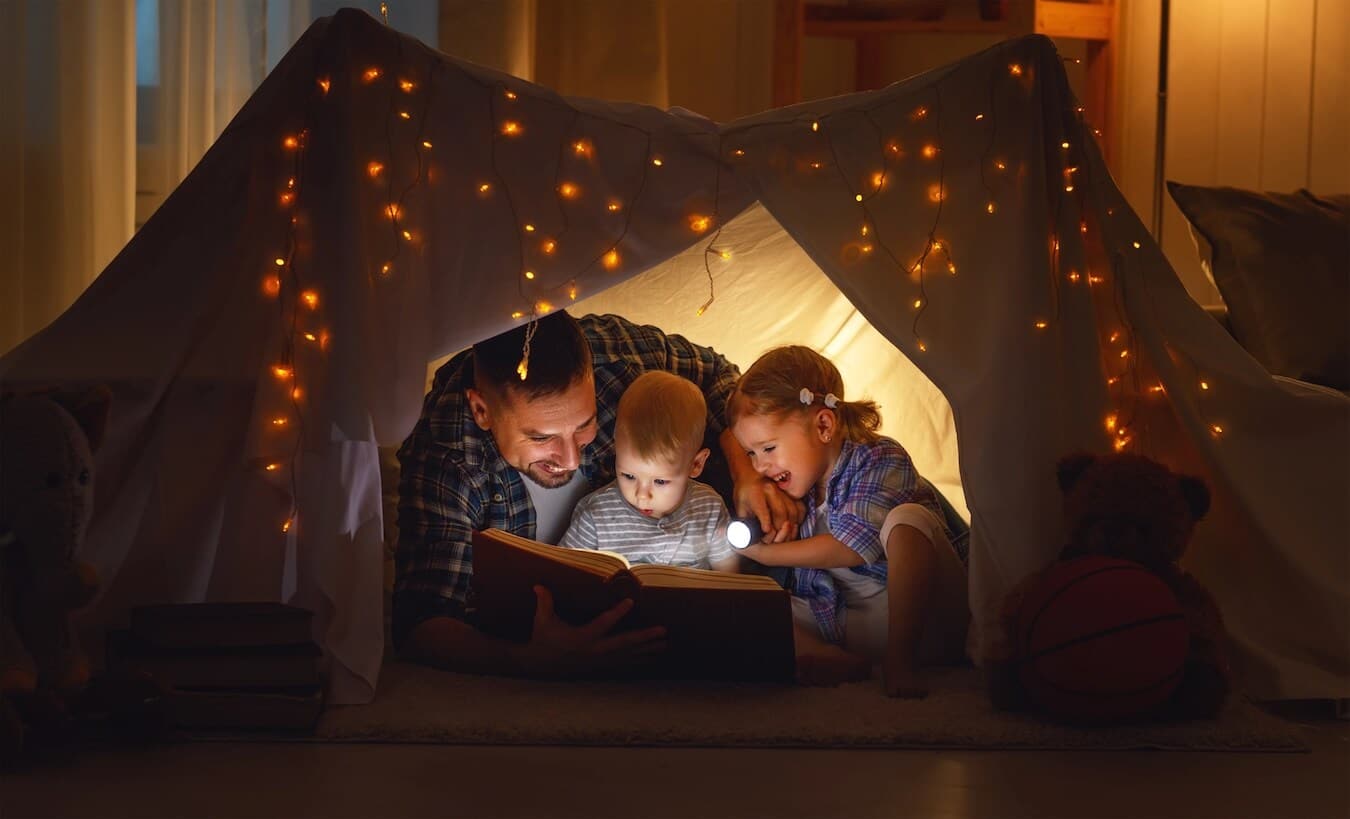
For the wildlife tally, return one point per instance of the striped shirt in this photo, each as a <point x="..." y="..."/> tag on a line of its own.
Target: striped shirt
<point x="693" y="535"/>
<point x="454" y="481"/>
<point x="868" y="481"/>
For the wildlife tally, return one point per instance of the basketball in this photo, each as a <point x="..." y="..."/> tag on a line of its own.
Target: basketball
<point x="1100" y="640"/>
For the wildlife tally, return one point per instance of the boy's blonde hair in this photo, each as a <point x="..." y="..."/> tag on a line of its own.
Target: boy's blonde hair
<point x="662" y="416"/>
<point x="773" y="386"/>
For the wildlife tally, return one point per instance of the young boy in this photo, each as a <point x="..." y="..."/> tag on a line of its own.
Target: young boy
<point x="654" y="511"/>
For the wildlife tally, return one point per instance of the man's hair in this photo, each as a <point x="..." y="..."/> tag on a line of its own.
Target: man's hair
<point x="558" y="357"/>
<point x="662" y="416"/>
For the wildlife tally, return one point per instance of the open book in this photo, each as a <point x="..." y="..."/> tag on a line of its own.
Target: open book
<point x="718" y="625"/>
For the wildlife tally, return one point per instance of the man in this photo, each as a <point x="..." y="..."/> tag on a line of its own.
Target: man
<point x="513" y="433"/>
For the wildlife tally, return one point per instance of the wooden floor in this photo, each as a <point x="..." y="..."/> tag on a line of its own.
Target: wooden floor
<point x="324" y="780"/>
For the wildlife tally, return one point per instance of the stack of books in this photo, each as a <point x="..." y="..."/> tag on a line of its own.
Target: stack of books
<point x="226" y="666"/>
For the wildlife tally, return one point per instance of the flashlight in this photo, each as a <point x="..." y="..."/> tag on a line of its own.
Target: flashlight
<point x="744" y="531"/>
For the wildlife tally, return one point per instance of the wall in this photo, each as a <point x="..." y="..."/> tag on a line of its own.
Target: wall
<point x="1258" y="97"/>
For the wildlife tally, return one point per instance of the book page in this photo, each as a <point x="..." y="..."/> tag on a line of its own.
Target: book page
<point x="600" y="563"/>
<point x="654" y="575"/>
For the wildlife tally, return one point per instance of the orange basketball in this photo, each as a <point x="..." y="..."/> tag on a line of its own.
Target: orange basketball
<point x="1101" y="640"/>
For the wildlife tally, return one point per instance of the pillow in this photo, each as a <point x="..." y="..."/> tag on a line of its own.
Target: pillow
<point x="1281" y="262"/>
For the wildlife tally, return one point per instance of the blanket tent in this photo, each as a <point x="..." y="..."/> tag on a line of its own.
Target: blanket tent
<point x="953" y="241"/>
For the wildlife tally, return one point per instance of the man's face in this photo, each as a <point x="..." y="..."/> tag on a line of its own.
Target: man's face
<point x="542" y="438"/>
<point x="654" y="486"/>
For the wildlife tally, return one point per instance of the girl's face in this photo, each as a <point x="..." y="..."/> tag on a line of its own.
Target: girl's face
<point x="790" y="450"/>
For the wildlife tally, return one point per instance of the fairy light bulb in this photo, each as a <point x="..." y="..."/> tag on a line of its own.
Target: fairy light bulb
<point x="656" y="160"/>
<point x="739" y="152"/>
<point x="529" y="228"/>
<point x="511" y="128"/>
<point x="857" y="197"/>
<point x="951" y="267"/>
<point x="725" y="254"/>
<point x="393" y="211"/>
<point x="373" y="169"/>
<point x="282" y="371"/>
<point x="918" y="113"/>
<point x="582" y="147"/>
<point x="878" y="179"/>
<point x="923" y="348"/>
<point x="290" y="143"/>
<point x="517" y="314"/>
<point x="918" y="303"/>
<point x="815" y="126"/>
<point x="979" y="117"/>
<point x="1082" y="228"/>
<point x="1136" y="245"/>
<point x="271" y="285"/>
<point x="279" y="262"/>
<point x="699" y="223"/>
<point x="272" y="467"/>
<point x="614" y="206"/>
<point x="407" y="235"/>
<point x="371" y="74"/>
<point x="936" y="193"/>
<point x="311" y="337"/>
<point x="484" y="189"/>
<point x="286" y="198"/>
<point x="569" y="190"/>
<point x="893" y="148"/>
<point x="286" y="527"/>
<point x="311" y="299"/>
<point x="1204" y="385"/>
<point x="1215" y="430"/>
<point x="1074" y="276"/>
<point x="386" y="268"/>
<point x="548" y="246"/>
<point x="529" y="274"/>
<point x="863" y="231"/>
<point x="990" y="207"/>
<point x="407" y="86"/>
<point x="1015" y="69"/>
<point x="426" y="144"/>
<point x="1041" y="324"/>
<point x="510" y="95"/>
<point x="815" y="166"/>
<point x="404" y="115"/>
<point x="929" y="151"/>
<point x="611" y="259"/>
<point x="1000" y="165"/>
<point x="1111" y="421"/>
<point x="297" y="394"/>
<point x="572" y="292"/>
<point x="1064" y="146"/>
<point x="324" y="84"/>
<point x="279" y="421"/>
<point x="1114" y="337"/>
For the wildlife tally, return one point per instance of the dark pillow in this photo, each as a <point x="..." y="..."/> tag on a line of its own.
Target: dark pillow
<point x="1281" y="262"/>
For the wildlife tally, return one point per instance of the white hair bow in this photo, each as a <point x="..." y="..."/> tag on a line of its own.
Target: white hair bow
<point x="807" y="397"/>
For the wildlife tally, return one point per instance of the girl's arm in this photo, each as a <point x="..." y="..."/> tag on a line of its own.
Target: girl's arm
<point x="815" y="552"/>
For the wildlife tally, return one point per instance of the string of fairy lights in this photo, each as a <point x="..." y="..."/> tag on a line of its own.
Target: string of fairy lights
<point x="408" y="108"/>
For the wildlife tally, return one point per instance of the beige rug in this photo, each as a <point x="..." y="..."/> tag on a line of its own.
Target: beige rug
<point x="417" y="704"/>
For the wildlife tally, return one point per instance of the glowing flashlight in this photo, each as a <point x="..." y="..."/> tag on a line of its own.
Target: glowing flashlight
<point x="744" y="531"/>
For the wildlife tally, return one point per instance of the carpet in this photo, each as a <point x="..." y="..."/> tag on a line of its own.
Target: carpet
<point x="417" y="704"/>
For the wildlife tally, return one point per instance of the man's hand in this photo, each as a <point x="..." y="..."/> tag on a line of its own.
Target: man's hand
<point x="559" y="649"/>
<point x="779" y="514"/>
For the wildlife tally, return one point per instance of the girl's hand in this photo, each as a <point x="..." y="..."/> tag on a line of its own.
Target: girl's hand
<point x="779" y="514"/>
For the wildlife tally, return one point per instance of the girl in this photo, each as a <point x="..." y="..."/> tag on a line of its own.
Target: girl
<point x="875" y="575"/>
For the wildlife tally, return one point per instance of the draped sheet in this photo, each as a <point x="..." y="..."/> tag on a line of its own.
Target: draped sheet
<point x="270" y="326"/>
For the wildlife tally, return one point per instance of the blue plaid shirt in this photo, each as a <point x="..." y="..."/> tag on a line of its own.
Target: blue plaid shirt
<point x="868" y="481"/>
<point x="454" y="480"/>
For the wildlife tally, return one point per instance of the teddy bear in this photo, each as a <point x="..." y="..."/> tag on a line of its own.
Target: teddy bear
<point x="1130" y="507"/>
<point x="47" y="441"/>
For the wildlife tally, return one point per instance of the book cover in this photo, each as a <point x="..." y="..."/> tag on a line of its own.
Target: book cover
<point x="238" y="667"/>
<point x="221" y="625"/>
<point x="719" y="625"/>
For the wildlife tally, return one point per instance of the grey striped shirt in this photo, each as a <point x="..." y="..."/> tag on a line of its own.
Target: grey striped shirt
<point x="693" y="535"/>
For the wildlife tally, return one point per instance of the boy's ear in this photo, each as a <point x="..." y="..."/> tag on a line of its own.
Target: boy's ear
<point x="700" y="460"/>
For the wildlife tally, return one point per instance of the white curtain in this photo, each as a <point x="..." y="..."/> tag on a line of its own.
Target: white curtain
<point x="67" y="152"/>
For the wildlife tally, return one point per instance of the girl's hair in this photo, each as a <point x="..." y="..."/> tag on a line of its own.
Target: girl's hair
<point x="662" y="416"/>
<point x="773" y="386"/>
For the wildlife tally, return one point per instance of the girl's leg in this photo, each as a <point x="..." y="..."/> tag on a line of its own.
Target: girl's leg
<point x="819" y="662"/>
<point x="911" y="575"/>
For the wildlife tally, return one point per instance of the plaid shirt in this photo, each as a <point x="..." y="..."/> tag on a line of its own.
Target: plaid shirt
<point x="454" y="480"/>
<point x="869" y="480"/>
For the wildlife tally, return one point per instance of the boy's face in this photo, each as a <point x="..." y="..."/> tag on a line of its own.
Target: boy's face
<point x="654" y="487"/>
